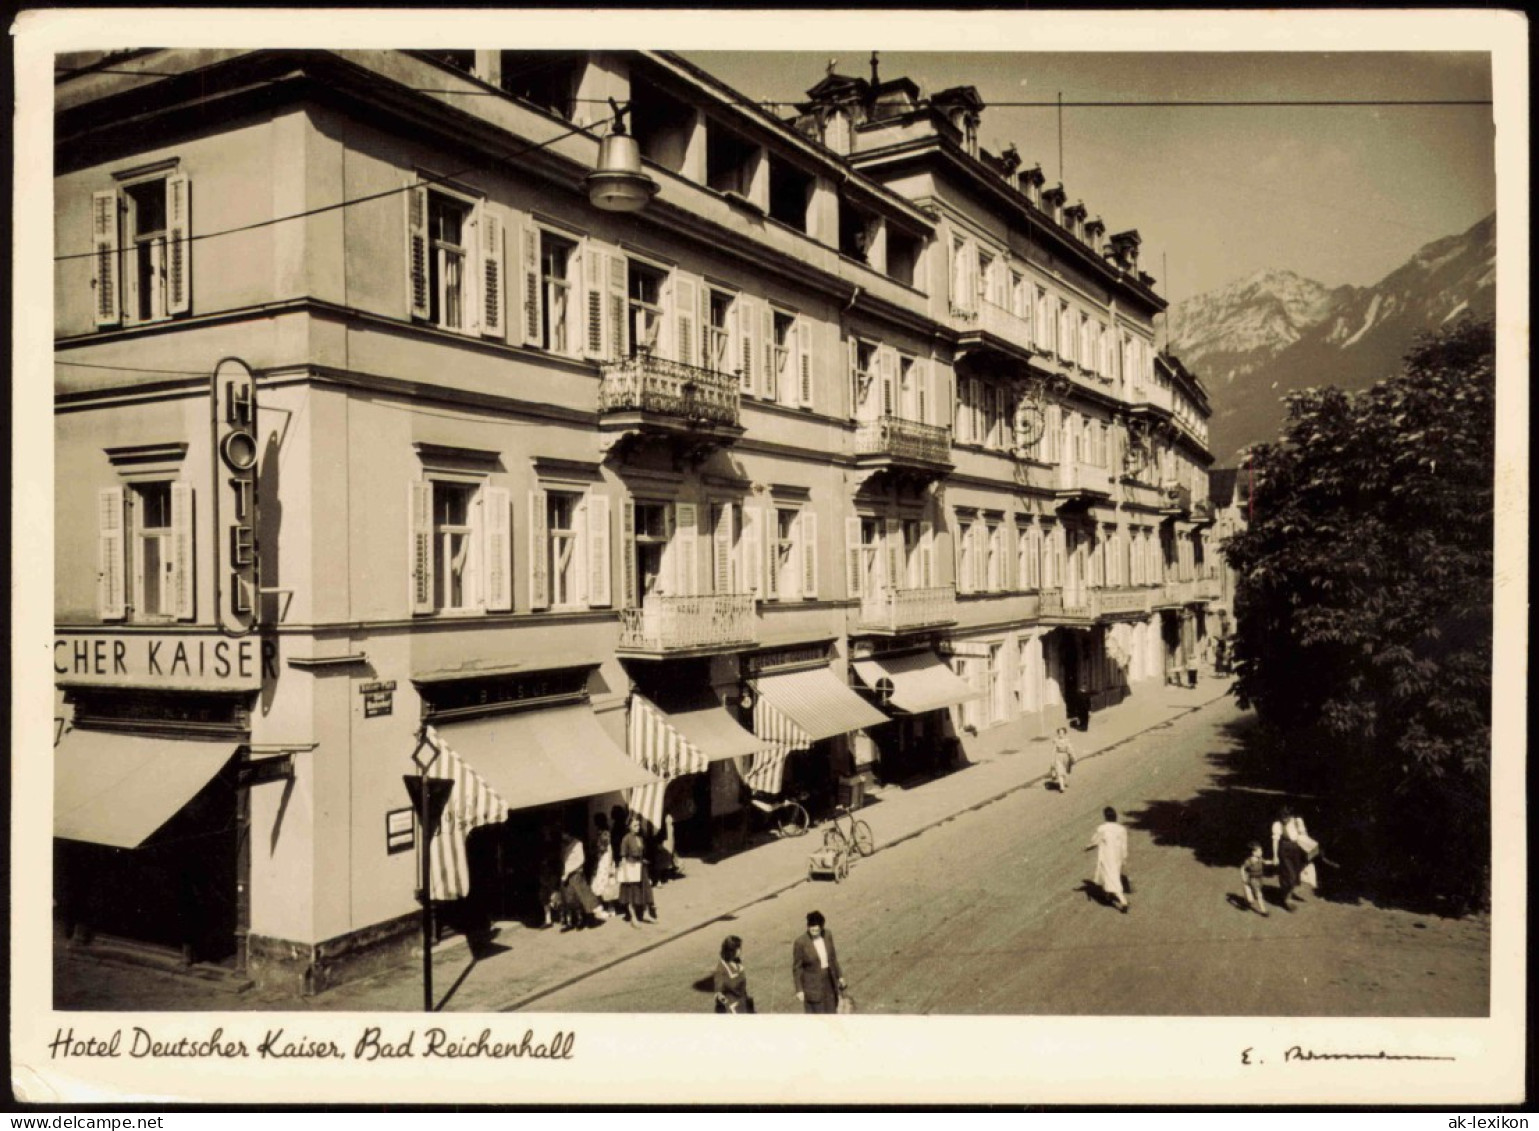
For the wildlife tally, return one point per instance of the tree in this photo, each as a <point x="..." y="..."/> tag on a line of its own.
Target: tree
<point x="1363" y="608"/>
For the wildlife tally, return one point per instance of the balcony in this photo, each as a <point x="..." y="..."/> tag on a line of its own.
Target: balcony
<point x="666" y="627"/>
<point x="1059" y="607"/>
<point x="1082" y="484"/>
<point x="650" y="396"/>
<point x="1121" y="601"/>
<point x="992" y="328"/>
<point x="1203" y="513"/>
<point x="904" y="447"/>
<point x="1175" y="500"/>
<point x="892" y="612"/>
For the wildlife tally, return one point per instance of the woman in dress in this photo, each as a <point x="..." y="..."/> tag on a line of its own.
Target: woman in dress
<point x="1289" y="855"/>
<point x="635" y="889"/>
<point x="731" y="982"/>
<point x="606" y="876"/>
<point x="1110" y="841"/>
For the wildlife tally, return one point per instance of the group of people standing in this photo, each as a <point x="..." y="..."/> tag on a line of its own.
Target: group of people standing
<point x="815" y="973"/>
<point x="617" y="877"/>
<point x="1294" y="854"/>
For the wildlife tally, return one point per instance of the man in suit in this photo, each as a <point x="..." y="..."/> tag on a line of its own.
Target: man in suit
<point x="815" y="968"/>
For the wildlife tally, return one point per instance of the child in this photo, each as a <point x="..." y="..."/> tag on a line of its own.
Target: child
<point x="1063" y="759"/>
<point x="1250" y="878"/>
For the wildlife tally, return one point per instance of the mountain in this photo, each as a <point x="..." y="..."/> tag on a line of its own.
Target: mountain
<point x="1275" y="332"/>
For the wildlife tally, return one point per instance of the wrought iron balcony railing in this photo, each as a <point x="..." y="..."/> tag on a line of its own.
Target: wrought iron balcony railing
<point x="1075" y="476"/>
<point x="1119" y="599"/>
<point x="904" y="440"/>
<point x="685" y="624"/>
<point x="1058" y="604"/>
<point x="651" y="384"/>
<point x="904" y="610"/>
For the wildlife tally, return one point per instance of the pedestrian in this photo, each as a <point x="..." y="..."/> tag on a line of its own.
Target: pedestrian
<point x="1191" y="667"/>
<point x="618" y="823"/>
<point x="665" y="860"/>
<point x="606" y="876"/>
<point x="1063" y="759"/>
<point x="1251" y="872"/>
<point x="635" y="887"/>
<point x="581" y="907"/>
<point x="815" y="968"/>
<point x="548" y="876"/>
<point x="731" y="982"/>
<point x="1110" y="841"/>
<point x="1289" y="855"/>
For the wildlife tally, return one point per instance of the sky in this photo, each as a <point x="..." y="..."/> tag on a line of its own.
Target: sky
<point x="1336" y="194"/>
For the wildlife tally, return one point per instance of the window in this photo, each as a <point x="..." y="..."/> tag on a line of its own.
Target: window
<point x="1027" y="560"/>
<point x="787" y="561"/>
<point x="556" y="309"/>
<point x="871" y="555"/>
<point x="865" y="375"/>
<point x="447" y="223"/>
<point x="461" y="546"/>
<point x="644" y="310"/>
<point x="662" y="125"/>
<point x="790" y="191"/>
<point x="910" y="405"/>
<point x="726" y="534"/>
<point x="718" y="336"/>
<point x="547" y="79"/>
<point x="654" y="522"/>
<point x="915" y="563"/>
<point x="857" y="230"/>
<point x="141" y="261"/>
<point x="145" y="552"/>
<point x="994" y="571"/>
<point x="780" y="377"/>
<point x="564" y="513"/>
<point x="454" y="262"/>
<point x="984" y="278"/>
<point x="1020" y="297"/>
<point x="730" y="161"/>
<point x="903" y="252"/>
<point x="151" y="554"/>
<point x="999" y="709"/>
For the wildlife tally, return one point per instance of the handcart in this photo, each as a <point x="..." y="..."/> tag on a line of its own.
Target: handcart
<point x="832" y="861"/>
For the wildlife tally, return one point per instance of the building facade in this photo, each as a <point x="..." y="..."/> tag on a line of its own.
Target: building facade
<point x="382" y="452"/>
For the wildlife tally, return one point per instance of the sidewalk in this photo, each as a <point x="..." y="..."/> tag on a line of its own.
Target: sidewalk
<point x="522" y="965"/>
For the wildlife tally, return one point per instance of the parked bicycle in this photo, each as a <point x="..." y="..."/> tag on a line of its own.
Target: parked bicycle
<point x="786" y="816"/>
<point x="848" y="832"/>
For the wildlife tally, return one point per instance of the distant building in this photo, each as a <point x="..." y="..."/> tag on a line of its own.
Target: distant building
<point x="850" y="455"/>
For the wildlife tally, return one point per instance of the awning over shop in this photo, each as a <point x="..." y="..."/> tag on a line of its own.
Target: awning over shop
<point x="539" y="757"/>
<point x="817" y="702"/>
<point x="671" y="743"/>
<point x="117" y="789"/>
<point x="921" y="681"/>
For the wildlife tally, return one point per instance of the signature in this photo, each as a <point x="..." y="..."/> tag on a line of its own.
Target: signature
<point x="1299" y="1053"/>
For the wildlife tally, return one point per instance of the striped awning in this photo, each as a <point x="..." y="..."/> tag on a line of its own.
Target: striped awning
<point x="818" y="703"/>
<point x="472" y="803"/>
<point x="118" y="789"/>
<point x="920" y="681"/>
<point x="672" y="743"/>
<point x="766" y="774"/>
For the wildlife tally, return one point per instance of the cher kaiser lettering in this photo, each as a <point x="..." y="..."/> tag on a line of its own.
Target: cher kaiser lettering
<point x="212" y="661"/>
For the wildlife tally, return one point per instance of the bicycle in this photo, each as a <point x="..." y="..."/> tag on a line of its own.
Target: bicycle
<point x="787" y="816"/>
<point x="858" y="837"/>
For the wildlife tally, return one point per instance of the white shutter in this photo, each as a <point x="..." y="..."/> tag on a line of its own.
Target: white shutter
<point x="534" y="292"/>
<point x="628" y="554"/>
<point x="772" y="379"/>
<point x="804" y="362"/>
<point x="181" y="577"/>
<point x="752" y="548"/>
<point x="600" y="334"/>
<point x="417" y="251"/>
<point x="808" y="536"/>
<point x="539" y="551"/>
<point x="980" y="536"/>
<point x="924" y="404"/>
<point x="1007" y="549"/>
<point x="685" y="301"/>
<point x="178" y="245"/>
<point x="104" y="261"/>
<point x="894" y="545"/>
<point x="970" y="269"/>
<point x="598" y="550"/>
<point x="618" y="341"/>
<point x="889" y="366"/>
<point x="926" y="554"/>
<point x="962" y="576"/>
<point x="111" y="585"/>
<point x="721" y="551"/>
<point x="493" y="301"/>
<point x="496" y="549"/>
<point x="686" y="557"/>
<point x="772" y="552"/>
<point x="663" y="344"/>
<point x="744" y="322"/>
<point x="733" y="361"/>
<point x="420" y="514"/>
<point x="854" y="580"/>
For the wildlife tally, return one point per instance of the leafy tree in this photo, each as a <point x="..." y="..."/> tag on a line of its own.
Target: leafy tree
<point x="1363" y="608"/>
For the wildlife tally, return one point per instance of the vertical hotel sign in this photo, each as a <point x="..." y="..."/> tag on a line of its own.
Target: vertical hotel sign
<point x="236" y="582"/>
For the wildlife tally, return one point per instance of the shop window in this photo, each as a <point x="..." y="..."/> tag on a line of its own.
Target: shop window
<point x="547" y="79"/>
<point x="790" y="193"/>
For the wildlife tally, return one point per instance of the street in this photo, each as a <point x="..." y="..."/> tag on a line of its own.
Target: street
<point x="988" y="913"/>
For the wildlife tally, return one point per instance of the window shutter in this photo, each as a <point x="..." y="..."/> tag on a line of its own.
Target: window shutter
<point x="178" y="246"/>
<point x="595" y="269"/>
<point x="182" y="577"/>
<point x="703" y="327"/>
<point x="417" y="251"/>
<point x="924" y="398"/>
<point x="628" y="554"/>
<point x="960" y="575"/>
<point x="889" y="364"/>
<point x="809" y="540"/>
<point x="685" y="302"/>
<point x="618" y="340"/>
<point x="496" y="551"/>
<point x="721" y="551"/>
<point x="111" y="587"/>
<point x="734" y="360"/>
<point x="1007" y="553"/>
<point x="767" y="341"/>
<point x="772" y="553"/>
<point x="598" y="550"/>
<point x="743" y="333"/>
<point x="926" y="554"/>
<point x="752" y="548"/>
<point x="894" y="543"/>
<point x="539" y="552"/>
<point x="529" y="272"/>
<point x="684" y="539"/>
<point x="853" y="348"/>
<point x="420" y="512"/>
<point x="104" y="260"/>
<point x="804" y="362"/>
<point x="493" y="301"/>
<point x="853" y="571"/>
<point x="962" y="425"/>
<point x="980" y="534"/>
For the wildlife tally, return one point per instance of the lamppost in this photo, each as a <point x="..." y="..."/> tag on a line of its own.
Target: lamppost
<point x="617" y="183"/>
<point x="428" y="798"/>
